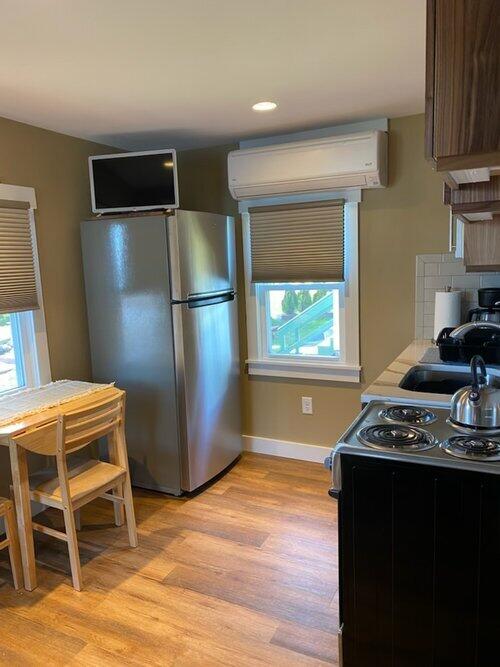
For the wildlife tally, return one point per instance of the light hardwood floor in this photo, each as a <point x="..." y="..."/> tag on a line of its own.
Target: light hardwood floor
<point x="244" y="573"/>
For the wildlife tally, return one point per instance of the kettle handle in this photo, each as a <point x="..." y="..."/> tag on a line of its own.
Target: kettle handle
<point x="476" y="364"/>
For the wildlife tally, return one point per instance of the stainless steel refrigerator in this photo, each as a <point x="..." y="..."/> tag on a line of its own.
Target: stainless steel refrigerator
<point x="162" y="314"/>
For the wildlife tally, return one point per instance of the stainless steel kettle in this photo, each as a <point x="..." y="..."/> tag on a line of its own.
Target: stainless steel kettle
<point x="477" y="406"/>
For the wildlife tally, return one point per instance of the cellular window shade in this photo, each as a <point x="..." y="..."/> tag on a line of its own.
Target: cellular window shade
<point x="18" y="289"/>
<point x="298" y="243"/>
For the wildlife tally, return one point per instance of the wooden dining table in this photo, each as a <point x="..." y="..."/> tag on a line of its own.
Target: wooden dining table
<point x="19" y="469"/>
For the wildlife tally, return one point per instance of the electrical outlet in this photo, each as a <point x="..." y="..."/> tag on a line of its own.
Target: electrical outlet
<point x="307" y="405"/>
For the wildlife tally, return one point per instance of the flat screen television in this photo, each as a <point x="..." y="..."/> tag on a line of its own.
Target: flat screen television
<point x="134" y="181"/>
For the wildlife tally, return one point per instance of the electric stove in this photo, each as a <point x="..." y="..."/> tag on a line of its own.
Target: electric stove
<point x="415" y="434"/>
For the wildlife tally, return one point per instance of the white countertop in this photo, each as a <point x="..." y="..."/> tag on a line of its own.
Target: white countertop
<point x="386" y="386"/>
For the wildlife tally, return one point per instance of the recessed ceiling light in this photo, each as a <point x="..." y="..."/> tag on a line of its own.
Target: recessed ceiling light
<point x="264" y="106"/>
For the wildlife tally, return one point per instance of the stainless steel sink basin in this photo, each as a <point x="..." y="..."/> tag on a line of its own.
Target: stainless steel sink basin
<point x="435" y="381"/>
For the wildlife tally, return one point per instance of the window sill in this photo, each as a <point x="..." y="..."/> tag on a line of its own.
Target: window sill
<point x="305" y="370"/>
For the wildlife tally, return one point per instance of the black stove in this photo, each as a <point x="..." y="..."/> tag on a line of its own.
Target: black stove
<point x="396" y="436"/>
<point x="407" y="414"/>
<point x="399" y="496"/>
<point x="472" y="447"/>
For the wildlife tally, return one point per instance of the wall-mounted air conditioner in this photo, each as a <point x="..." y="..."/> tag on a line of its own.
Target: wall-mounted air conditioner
<point x="345" y="161"/>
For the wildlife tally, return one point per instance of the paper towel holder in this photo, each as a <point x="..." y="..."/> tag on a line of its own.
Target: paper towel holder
<point x="451" y="317"/>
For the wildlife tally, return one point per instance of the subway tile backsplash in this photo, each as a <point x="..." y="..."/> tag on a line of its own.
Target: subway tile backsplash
<point x="435" y="272"/>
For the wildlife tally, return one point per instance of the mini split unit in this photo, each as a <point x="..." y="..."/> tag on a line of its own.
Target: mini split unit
<point x="344" y="161"/>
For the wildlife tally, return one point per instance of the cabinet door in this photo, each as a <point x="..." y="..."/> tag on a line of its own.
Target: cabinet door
<point x="474" y="198"/>
<point x="488" y="621"/>
<point x="387" y="555"/>
<point x="482" y="245"/>
<point x="366" y="570"/>
<point x="463" y="83"/>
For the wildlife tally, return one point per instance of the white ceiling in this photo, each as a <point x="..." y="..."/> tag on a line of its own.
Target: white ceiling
<point x="142" y="74"/>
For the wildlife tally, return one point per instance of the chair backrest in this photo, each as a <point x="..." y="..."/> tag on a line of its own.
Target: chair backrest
<point x="83" y="426"/>
<point x="76" y="429"/>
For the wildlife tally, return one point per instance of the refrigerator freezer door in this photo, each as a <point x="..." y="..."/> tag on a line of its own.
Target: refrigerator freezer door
<point x="201" y="247"/>
<point x="208" y="376"/>
<point x="131" y="337"/>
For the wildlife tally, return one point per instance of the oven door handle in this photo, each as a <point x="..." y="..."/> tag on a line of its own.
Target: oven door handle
<point x="329" y="464"/>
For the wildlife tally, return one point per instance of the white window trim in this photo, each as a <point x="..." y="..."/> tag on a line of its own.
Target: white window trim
<point x="347" y="368"/>
<point x="32" y="323"/>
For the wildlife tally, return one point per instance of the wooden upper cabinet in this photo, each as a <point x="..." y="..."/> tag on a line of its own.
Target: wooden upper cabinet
<point x="482" y="245"/>
<point x="472" y="198"/>
<point x="463" y="84"/>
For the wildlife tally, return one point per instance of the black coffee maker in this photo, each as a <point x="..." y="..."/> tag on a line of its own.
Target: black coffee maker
<point x="489" y="306"/>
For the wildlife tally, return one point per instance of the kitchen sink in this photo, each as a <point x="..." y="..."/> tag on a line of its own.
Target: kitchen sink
<point x="432" y="381"/>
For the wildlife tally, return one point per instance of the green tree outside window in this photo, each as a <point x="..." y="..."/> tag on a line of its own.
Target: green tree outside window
<point x="319" y="294"/>
<point x="289" y="304"/>
<point x="304" y="300"/>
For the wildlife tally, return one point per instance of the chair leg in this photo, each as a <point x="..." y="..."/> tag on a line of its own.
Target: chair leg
<point x="120" y="449"/>
<point x="14" y="551"/>
<point x="74" y="556"/>
<point x="78" y="519"/>
<point x="118" y="490"/>
<point x="128" y="501"/>
<point x="118" y="507"/>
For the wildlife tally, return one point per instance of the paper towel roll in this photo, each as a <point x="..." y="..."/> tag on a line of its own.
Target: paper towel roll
<point x="447" y="310"/>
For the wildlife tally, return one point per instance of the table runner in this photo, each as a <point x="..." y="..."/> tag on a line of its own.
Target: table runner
<point x="15" y="407"/>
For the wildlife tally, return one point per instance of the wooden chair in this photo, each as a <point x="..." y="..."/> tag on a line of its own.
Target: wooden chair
<point x="11" y="541"/>
<point x="71" y="488"/>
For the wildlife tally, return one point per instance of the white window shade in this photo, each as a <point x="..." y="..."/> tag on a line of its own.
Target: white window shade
<point x="18" y="287"/>
<point x="297" y="242"/>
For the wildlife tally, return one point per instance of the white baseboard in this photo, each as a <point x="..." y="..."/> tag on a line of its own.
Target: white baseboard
<point x="286" y="449"/>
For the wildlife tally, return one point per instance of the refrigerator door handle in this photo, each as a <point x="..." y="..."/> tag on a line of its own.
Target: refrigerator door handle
<point x="210" y="301"/>
<point x="207" y="299"/>
<point x="209" y="295"/>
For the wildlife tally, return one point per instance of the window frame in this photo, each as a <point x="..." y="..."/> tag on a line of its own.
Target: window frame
<point x="259" y="362"/>
<point x="31" y="323"/>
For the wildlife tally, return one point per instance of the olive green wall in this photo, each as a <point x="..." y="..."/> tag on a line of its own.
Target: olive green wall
<point x="396" y="223"/>
<point x="56" y="166"/>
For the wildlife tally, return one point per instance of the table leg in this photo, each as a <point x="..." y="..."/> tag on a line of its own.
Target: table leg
<point x="20" y="484"/>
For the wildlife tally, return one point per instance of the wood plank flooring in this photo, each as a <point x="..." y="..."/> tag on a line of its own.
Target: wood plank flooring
<point x="244" y="573"/>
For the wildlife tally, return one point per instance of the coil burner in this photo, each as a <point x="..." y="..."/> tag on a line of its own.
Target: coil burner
<point x="390" y="437"/>
<point x="472" y="447"/>
<point x="407" y="414"/>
